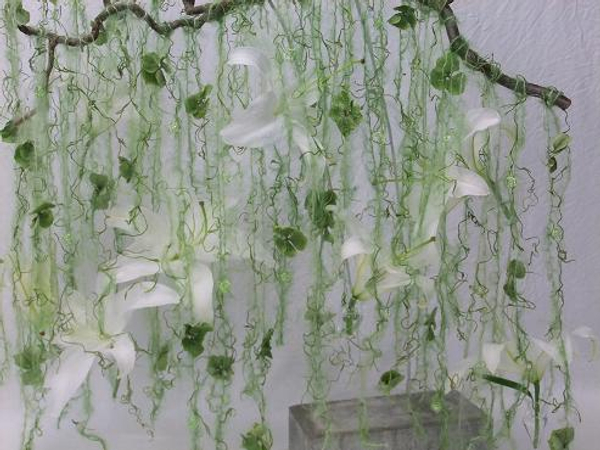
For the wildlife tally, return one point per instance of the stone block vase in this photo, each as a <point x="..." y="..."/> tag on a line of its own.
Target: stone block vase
<point x="393" y="422"/>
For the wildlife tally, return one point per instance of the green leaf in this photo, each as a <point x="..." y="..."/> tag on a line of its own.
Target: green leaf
<point x="517" y="269"/>
<point x="22" y="16"/>
<point x="220" y="367"/>
<point x="552" y="164"/>
<point x="265" y="350"/>
<point x="152" y="69"/>
<point x="30" y="362"/>
<point x="99" y="181"/>
<point x="345" y="113"/>
<point x="126" y="169"/>
<point x="448" y="63"/>
<point x="561" y="439"/>
<point x="457" y="83"/>
<point x="319" y="206"/>
<point x="102" y="190"/>
<point x="257" y="438"/>
<point x="508" y="383"/>
<point x="162" y="359"/>
<point x="43" y="215"/>
<point x="9" y="132"/>
<point x="510" y="288"/>
<point x="288" y="240"/>
<point x="25" y="154"/>
<point x="405" y="18"/>
<point x="193" y="339"/>
<point x="102" y="37"/>
<point x="197" y="105"/>
<point x="431" y="325"/>
<point x="438" y="79"/>
<point x="389" y="380"/>
<point x="560" y="142"/>
<point x="151" y="62"/>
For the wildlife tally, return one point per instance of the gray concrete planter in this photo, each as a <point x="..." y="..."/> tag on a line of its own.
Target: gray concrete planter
<point x="395" y="422"/>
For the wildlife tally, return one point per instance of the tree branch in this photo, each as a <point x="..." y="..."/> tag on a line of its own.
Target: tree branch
<point x="459" y="45"/>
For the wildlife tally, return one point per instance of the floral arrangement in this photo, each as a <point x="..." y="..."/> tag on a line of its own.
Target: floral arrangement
<point x="187" y="166"/>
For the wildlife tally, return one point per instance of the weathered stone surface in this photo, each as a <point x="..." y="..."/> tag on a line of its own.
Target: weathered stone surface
<point x="396" y="422"/>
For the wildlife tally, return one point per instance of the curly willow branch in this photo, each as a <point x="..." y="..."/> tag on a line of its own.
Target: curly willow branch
<point x="209" y="12"/>
<point x="460" y="46"/>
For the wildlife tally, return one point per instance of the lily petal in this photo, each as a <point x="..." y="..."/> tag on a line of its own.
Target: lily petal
<point x="491" y="354"/>
<point x="256" y="126"/>
<point x="122" y="350"/>
<point x="128" y="269"/>
<point x="467" y="182"/>
<point x="74" y="366"/>
<point x="481" y="119"/>
<point x="146" y="294"/>
<point x="250" y="56"/>
<point x="202" y="290"/>
<point x="393" y="278"/>
<point x="353" y="246"/>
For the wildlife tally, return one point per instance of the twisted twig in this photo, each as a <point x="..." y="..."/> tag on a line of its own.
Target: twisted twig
<point x="460" y="46"/>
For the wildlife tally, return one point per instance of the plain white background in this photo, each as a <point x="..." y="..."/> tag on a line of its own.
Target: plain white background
<point x="554" y="42"/>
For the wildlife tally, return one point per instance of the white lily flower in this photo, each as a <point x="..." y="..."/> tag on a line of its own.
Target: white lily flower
<point x="89" y="339"/>
<point x="153" y="248"/>
<point x="481" y="119"/>
<point x="266" y="119"/>
<point x="369" y="279"/>
<point x="535" y="357"/>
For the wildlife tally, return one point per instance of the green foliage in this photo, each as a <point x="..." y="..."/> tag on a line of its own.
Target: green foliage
<point x="319" y="205"/>
<point x="345" y="113"/>
<point x="405" y="18"/>
<point x="389" y="380"/>
<point x="288" y="240"/>
<point x="561" y="439"/>
<point x="25" y="154"/>
<point x="43" y="216"/>
<point x="102" y="190"/>
<point x="193" y="339"/>
<point x="220" y="367"/>
<point x="431" y="325"/>
<point x="9" y="132"/>
<point x="126" y="168"/>
<point x="197" y="105"/>
<point x="552" y="164"/>
<point x="257" y="438"/>
<point x="102" y="37"/>
<point x="30" y="362"/>
<point x="153" y="68"/>
<point x="265" y="349"/>
<point x="162" y="359"/>
<point x="560" y="142"/>
<point x="446" y="75"/>
<point x="516" y="271"/>
<point x="22" y="16"/>
<point x="504" y="382"/>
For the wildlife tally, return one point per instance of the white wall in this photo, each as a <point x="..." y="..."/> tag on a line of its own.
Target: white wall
<point x="553" y="42"/>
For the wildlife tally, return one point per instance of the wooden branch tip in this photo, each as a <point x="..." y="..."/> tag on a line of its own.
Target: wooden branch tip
<point x="458" y="44"/>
